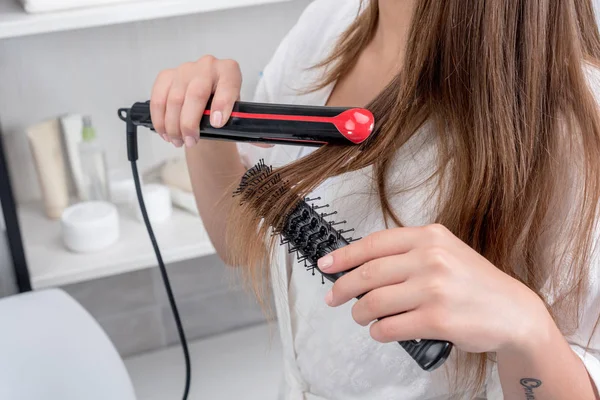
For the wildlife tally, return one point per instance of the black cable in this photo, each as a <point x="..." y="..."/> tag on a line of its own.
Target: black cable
<point x="132" y="155"/>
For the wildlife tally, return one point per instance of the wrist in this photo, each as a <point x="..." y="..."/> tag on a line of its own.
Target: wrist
<point x="533" y="333"/>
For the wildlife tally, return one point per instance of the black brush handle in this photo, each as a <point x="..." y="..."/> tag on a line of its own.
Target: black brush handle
<point x="312" y="236"/>
<point x="429" y="354"/>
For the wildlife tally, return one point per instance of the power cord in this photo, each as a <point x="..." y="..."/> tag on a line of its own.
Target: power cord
<point x="132" y="155"/>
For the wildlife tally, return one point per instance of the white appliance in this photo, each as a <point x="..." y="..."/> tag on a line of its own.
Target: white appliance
<point x="52" y="349"/>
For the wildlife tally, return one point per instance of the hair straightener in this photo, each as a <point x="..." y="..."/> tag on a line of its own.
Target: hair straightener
<point x="278" y="124"/>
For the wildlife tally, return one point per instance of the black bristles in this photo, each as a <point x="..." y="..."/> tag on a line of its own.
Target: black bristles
<point x="304" y="230"/>
<point x="282" y="241"/>
<point x="332" y="223"/>
<point x="258" y="181"/>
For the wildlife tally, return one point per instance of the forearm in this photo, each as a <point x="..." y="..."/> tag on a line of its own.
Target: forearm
<point x="214" y="167"/>
<point x="544" y="367"/>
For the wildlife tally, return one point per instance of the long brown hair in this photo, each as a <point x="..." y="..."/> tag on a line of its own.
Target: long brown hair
<point x="519" y="142"/>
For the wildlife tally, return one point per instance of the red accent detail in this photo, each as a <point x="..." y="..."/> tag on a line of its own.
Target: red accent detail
<point x="355" y="124"/>
<point x="296" y="140"/>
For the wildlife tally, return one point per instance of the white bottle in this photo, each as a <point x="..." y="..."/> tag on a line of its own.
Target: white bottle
<point x="93" y="165"/>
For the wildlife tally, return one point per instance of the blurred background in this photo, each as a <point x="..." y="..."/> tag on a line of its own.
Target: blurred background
<point x="66" y="66"/>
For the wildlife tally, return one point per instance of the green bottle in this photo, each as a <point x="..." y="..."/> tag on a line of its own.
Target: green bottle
<point x="93" y="165"/>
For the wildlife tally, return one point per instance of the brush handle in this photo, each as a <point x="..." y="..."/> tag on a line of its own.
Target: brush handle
<point x="429" y="354"/>
<point x="313" y="237"/>
<point x="280" y="124"/>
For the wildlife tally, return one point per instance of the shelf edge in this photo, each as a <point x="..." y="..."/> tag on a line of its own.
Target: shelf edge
<point x="51" y="22"/>
<point x="54" y="280"/>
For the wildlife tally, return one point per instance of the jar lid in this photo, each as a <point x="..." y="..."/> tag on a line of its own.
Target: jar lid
<point x="89" y="214"/>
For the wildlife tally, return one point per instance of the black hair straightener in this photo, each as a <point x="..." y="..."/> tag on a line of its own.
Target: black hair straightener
<point x="278" y="124"/>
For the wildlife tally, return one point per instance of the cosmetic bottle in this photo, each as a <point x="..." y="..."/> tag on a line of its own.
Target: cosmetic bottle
<point x="48" y="157"/>
<point x="93" y="165"/>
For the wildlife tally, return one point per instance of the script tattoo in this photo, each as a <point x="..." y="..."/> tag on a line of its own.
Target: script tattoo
<point x="530" y="384"/>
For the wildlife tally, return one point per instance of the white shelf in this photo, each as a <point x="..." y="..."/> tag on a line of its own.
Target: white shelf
<point x="15" y="22"/>
<point x="183" y="237"/>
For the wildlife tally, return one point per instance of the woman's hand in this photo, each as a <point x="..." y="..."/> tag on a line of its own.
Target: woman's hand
<point x="180" y="95"/>
<point x="431" y="285"/>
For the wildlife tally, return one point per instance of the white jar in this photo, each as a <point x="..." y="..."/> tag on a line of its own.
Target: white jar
<point x="121" y="187"/>
<point x="90" y="226"/>
<point x="157" y="199"/>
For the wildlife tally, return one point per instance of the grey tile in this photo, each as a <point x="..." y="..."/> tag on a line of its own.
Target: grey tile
<point x="116" y="294"/>
<point x="135" y="332"/>
<point x="210" y="315"/>
<point x="197" y="277"/>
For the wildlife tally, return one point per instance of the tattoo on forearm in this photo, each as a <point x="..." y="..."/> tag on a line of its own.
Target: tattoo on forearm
<point x="530" y="384"/>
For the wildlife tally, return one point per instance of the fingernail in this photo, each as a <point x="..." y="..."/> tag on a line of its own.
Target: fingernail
<point x="190" y="141"/>
<point x="325" y="262"/>
<point x="216" y="119"/>
<point x="166" y="138"/>
<point x="329" y="298"/>
<point x="177" y="142"/>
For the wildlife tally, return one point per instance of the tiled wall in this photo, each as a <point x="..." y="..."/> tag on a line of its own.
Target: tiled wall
<point x="134" y="311"/>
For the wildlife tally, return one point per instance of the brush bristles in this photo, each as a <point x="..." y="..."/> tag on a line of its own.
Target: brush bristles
<point x="305" y="230"/>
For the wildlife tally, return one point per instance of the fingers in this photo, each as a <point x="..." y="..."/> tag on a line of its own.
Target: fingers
<point x="175" y="101"/>
<point x="179" y="98"/>
<point x="374" y="274"/>
<point x="158" y="101"/>
<point x="382" y="244"/>
<point x="197" y="95"/>
<point x="412" y="325"/>
<point x="386" y="301"/>
<point x="227" y="92"/>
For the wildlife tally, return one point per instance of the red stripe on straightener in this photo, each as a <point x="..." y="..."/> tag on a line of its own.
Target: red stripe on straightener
<point x="279" y="117"/>
<point x="296" y="140"/>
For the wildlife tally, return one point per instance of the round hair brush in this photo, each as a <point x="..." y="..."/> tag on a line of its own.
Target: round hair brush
<point x="311" y="236"/>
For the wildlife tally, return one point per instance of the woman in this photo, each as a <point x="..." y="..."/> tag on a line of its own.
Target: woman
<point x="477" y="198"/>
